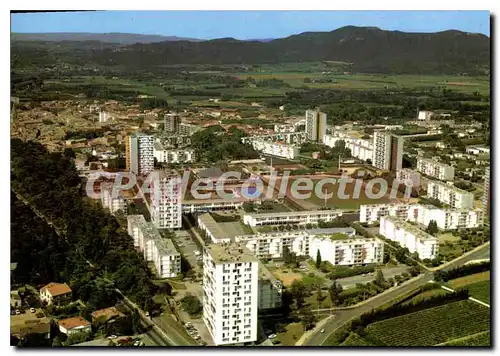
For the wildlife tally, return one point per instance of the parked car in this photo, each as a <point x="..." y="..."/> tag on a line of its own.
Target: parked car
<point x="18" y="312"/>
<point x="322" y="331"/>
<point x="111" y="337"/>
<point x="272" y="336"/>
<point x="33" y="310"/>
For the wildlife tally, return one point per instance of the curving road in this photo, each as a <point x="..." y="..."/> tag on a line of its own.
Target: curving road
<point x="341" y="317"/>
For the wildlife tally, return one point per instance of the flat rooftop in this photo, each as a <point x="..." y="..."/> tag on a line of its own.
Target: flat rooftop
<point x="296" y="213"/>
<point x="213" y="226"/>
<point x="230" y="253"/>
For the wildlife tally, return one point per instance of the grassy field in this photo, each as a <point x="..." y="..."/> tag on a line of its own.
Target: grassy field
<point x="478" y="285"/>
<point x="432" y="326"/>
<point x="335" y="202"/>
<point x="480" y="291"/>
<point x="293" y="333"/>
<point x="479" y="339"/>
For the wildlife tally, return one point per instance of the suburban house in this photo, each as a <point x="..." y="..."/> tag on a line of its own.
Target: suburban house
<point x="106" y="315"/>
<point x="56" y="293"/>
<point x="74" y="325"/>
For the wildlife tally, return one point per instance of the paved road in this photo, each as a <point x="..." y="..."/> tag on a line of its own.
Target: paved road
<point x="343" y="316"/>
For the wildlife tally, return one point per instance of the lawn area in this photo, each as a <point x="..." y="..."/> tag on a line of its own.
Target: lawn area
<point x="425" y="294"/>
<point x="478" y="285"/>
<point x="448" y="236"/>
<point x="479" y="339"/>
<point x="287" y="276"/>
<point x="293" y="333"/>
<point x="432" y="326"/>
<point x="335" y="202"/>
<point x="481" y="291"/>
<point x="177" y="285"/>
<point x="466" y="280"/>
<point x="312" y="300"/>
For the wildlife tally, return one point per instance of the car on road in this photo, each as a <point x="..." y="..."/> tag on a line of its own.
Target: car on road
<point x="33" y="310"/>
<point x="272" y="336"/>
<point x="111" y="337"/>
<point x="322" y="331"/>
<point x="188" y="323"/>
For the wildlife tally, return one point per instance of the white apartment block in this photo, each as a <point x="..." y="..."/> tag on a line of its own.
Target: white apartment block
<point x="161" y="251"/>
<point x="408" y="177"/>
<point x="284" y="128"/>
<point x="360" y="148"/>
<point x="292" y="217"/>
<point x="139" y="155"/>
<point x="315" y="125"/>
<point x="162" y="155"/>
<point x="114" y="204"/>
<point x="347" y="250"/>
<point x="371" y="213"/>
<point x="433" y="168"/>
<point x="294" y="138"/>
<point x="475" y="150"/>
<point x="387" y="151"/>
<point x="278" y="149"/>
<point x="446" y="219"/>
<point x="230" y="293"/>
<point x="272" y="244"/>
<point x="487" y="192"/>
<point x="211" y="228"/>
<point x="166" y="200"/>
<point x="454" y="197"/>
<point x="425" y="115"/>
<point x="200" y="206"/>
<point x="103" y="116"/>
<point x="409" y="236"/>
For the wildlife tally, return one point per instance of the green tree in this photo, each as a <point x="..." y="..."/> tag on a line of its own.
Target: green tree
<point x="379" y="278"/>
<point x="191" y="305"/>
<point x="318" y="259"/>
<point x="298" y="292"/>
<point x="334" y="291"/>
<point x="308" y="318"/>
<point x="432" y="228"/>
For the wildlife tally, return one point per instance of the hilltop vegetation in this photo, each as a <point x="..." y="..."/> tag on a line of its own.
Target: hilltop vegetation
<point x="354" y="49"/>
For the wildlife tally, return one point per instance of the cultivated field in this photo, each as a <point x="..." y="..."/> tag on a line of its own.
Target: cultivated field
<point x="432" y="326"/>
<point x="479" y="339"/>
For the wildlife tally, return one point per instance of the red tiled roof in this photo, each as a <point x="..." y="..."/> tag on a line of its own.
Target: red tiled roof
<point x="57" y="288"/>
<point x="71" y="323"/>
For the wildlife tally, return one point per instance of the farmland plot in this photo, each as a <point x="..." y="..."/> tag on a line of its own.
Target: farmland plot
<point x="432" y="326"/>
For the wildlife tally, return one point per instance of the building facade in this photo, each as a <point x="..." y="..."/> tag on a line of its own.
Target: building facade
<point x="180" y="155"/>
<point x="486" y="193"/>
<point x="276" y="149"/>
<point x="454" y="197"/>
<point x="172" y="122"/>
<point x="230" y="293"/>
<point x="139" y="155"/>
<point x="409" y="236"/>
<point x="408" y="177"/>
<point x="387" y="151"/>
<point x="435" y="169"/>
<point x="114" y="204"/>
<point x="371" y="213"/>
<point x="166" y="200"/>
<point x="292" y="217"/>
<point x="315" y="125"/>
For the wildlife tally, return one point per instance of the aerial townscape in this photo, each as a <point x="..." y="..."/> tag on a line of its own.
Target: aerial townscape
<point x="320" y="189"/>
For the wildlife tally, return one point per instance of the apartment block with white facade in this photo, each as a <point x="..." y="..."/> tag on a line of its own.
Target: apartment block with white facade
<point x="435" y="169"/>
<point x="201" y="206"/>
<point x="449" y="194"/>
<point x="284" y="128"/>
<point x="346" y="250"/>
<point x="486" y="193"/>
<point x="293" y="138"/>
<point x="161" y="251"/>
<point x="166" y="200"/>
<point x="162" y="155"/>
<point x="139" y="155"/>
<point x="446" y="219"/>
<point x="409" y="177"/>
<point x="277" y="149"/>
<point x="292" y="217"/>
<point x="272" y="244"/>
<point x="409" y="236"/>
<point x="371" y="213"/>
<point x="230" y="293"/>
<point x="360" y="148"/>
<point x="113" y="203"/>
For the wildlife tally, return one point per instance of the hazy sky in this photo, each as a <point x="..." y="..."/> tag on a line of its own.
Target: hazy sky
<point x="247" y="24"/>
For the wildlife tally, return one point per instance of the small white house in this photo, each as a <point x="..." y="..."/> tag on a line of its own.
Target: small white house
<point x="74" y="325"/>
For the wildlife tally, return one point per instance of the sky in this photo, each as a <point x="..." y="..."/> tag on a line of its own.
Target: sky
<point x="246" y="24"/>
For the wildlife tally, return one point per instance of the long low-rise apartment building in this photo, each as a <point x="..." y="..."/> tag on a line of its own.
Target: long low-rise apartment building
<point x="295" y="138"/>
<point x="446" y="219"/>
<point x="435" y="169"/>
<point x="211" y="228"/>
<point x="291" y="217"/>
<point x="203" y="206"/>
<point x="161" y="251"/>
<point x="450" y="195"/>
<point x="409" y="236"/>
<point x="343" y="250"/>
<point x="180" y="155"/>
<point x="277" y="149"/>
<point x="339" y="246"/>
